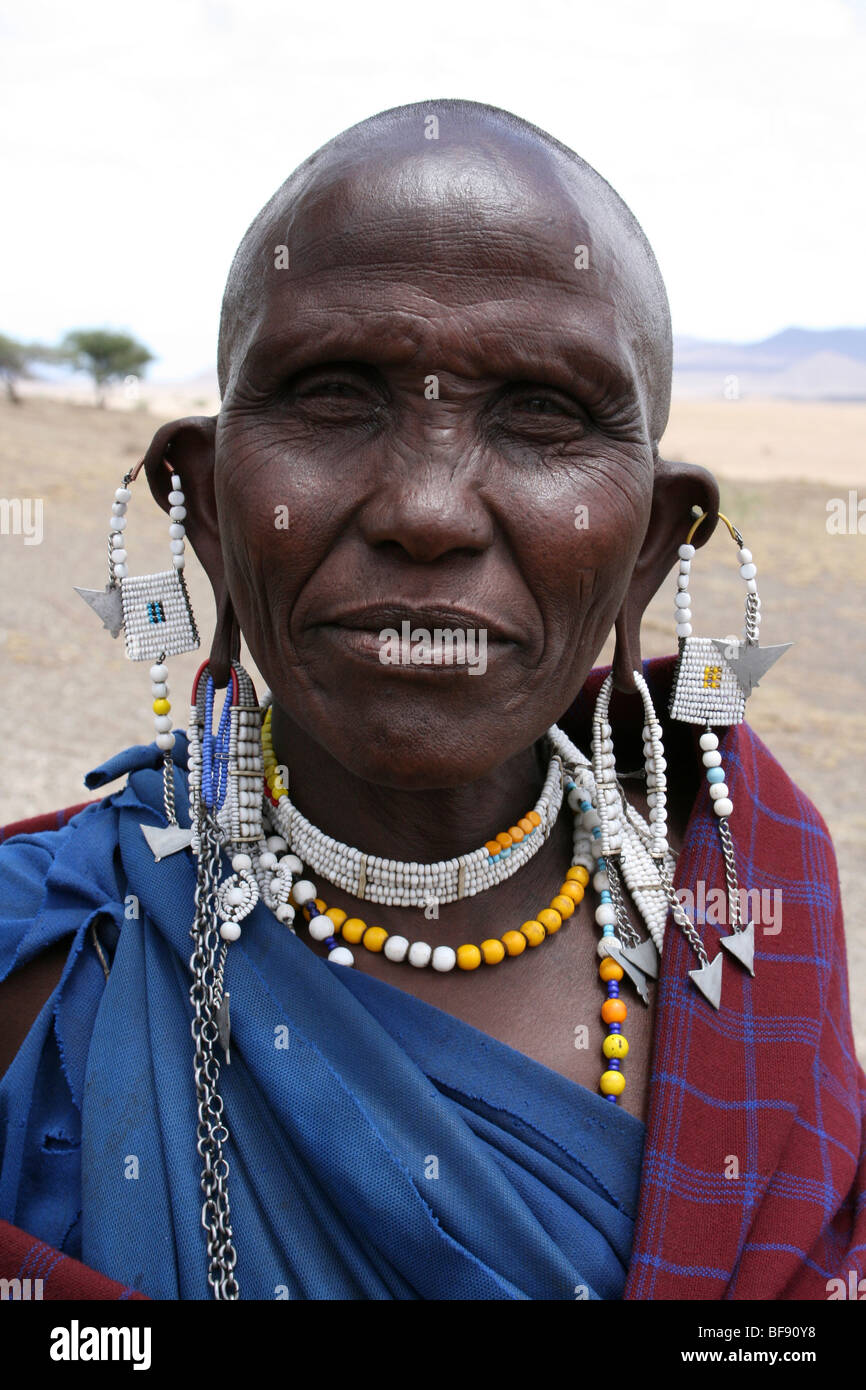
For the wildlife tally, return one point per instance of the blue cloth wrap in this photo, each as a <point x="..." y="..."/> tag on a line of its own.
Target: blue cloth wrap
<point x="379" y="1147"/>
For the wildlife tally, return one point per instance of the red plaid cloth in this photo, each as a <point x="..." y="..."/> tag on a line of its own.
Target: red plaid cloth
<point x="22" y="1257"/>
<point x="769" y="1087"/>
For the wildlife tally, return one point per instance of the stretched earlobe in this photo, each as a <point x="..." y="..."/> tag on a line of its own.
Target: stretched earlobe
<point x="677" y="488"/>
<point x="188" y="445"/>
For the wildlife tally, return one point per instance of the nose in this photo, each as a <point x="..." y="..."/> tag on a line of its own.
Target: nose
<point x="429" y="507"/>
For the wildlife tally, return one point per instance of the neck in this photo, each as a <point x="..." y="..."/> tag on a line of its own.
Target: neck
<point x="421" y="824"/>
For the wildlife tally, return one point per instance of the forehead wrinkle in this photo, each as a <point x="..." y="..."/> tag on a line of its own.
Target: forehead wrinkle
<point x="297" y="329"/>
<point x="343" y="169"/>
<point x="483" y="344"/>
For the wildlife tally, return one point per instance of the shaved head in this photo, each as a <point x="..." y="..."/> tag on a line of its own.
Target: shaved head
<point x="484" y="168"/>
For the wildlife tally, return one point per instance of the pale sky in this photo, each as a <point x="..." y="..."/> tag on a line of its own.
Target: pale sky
<point x="140" y="140"/>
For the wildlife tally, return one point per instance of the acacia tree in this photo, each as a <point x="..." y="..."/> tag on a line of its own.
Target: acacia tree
<point x="16" y="358"/>
<point x="105" y="355"/>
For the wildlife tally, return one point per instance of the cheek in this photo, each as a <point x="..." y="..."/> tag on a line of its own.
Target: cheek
<point x="272" y="514"/>
<point x="580" y="531"/>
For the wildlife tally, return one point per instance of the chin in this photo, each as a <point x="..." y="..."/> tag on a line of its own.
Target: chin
<point x="425" y="750"/>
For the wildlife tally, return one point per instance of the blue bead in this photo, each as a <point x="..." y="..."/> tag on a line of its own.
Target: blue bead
<point x="614" y="1027"/>
<point x="331" y="942"/>
<point x="715" y="774"/>
<point x="614" y="1064"/>
<point x="601" y="863"/>
<point x="613" y="989"/>
<point x="605" y="895"/>
<point x="586" y="805"/>
<point x="614" y="1099"/>
<point x="504" y="853"/>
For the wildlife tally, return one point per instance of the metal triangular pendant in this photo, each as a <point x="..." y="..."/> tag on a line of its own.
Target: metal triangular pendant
<point x="106" y="604"/>
<point x="636" y="976"/>
<point x="709" y="980"/>
<point x="166" y="840"/>
<point x="644" y="956"/>
<point x="741" y="944"/>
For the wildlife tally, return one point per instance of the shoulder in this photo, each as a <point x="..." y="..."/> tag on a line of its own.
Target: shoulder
<point x="71" y="866"/>
<point x="55" y="881"/>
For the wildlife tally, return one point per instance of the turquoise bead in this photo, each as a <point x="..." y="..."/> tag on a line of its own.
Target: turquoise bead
<point x="715" y="774"/>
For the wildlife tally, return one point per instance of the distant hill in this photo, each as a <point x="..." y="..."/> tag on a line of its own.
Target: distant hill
<point x="796" y="364"/>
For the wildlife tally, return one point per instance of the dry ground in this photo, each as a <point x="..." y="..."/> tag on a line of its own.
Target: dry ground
<point x="71" y="698"/>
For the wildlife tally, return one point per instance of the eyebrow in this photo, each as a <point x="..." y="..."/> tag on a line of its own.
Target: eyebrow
<point x="571" y="357"/>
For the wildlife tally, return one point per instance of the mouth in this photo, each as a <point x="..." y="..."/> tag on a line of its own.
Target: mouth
<point x="418" y="641"/>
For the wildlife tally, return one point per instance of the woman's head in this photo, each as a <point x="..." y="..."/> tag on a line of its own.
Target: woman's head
<point x="445" y="362"/>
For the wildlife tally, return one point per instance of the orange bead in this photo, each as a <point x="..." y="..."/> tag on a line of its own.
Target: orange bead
<point x="572" y="890"/>
<point x="516" y="833"/>
<point x="493" y="846"/>
<point x="514" y="942"/>
<point x="578" y="874"/>
<point x="526" y="825"/>
<point x="353" y="930"/>
<point x="468" y="957"/>
<point x="614" y="1011"/>
<point x="493" y="951"/>
<point x="533" y="817"/>
<point x="550" y="918"/>
<point x="337" y="916"/>
<point x="563" y="905"/>
<point x="374" y="938"/>
<point x="609" y="970"/>
<point x="504" y="839"/>
<point x="534" y="932"/>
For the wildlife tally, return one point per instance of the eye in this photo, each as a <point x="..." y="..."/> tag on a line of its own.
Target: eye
<point x="541" y="405"/>
<point x="333" y="387"/>
<point x="541" y="412"/>
<point x="335" y="394"/>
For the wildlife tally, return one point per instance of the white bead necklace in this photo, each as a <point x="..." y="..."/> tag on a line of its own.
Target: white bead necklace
<point x="395" y="883"/>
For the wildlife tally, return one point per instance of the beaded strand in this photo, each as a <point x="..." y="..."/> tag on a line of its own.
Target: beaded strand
<point x="326" y="924"/>
<point x="392" y="883"/>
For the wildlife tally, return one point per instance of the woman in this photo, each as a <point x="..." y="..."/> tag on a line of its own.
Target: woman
<point x="445" y="367"/>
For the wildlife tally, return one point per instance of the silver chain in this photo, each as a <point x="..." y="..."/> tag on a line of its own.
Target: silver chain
<point x="679" y="914"/>
<point x="730" y="874"/>
<point x="168" y="788"/>
<point x="212" y="1131"/>
<point x="625" y="930"/>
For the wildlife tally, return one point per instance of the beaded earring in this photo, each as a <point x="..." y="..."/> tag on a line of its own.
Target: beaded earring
<point x="714" y="678"/>
<point x="640" y="853"/>
<point x="156" y="615"/>
<point x="225" y="792"/>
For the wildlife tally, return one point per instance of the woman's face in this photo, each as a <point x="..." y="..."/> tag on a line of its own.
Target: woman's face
<point x="435" y="416"/>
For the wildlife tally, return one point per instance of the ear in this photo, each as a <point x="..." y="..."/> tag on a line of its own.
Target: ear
<point x="187" y="447"/>
<point x="678" y="487"/>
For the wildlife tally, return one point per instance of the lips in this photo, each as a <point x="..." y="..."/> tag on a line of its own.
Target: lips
<point x="376" y="618"/>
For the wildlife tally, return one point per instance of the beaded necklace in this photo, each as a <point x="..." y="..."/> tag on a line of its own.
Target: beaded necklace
<point x="377" y="880"/>
<point x="278" y="871"/>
